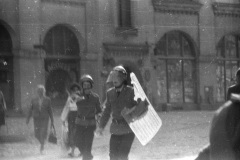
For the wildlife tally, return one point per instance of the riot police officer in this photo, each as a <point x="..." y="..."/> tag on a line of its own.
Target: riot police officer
<point x="118" y="97"/>
<point x="87" y="109"/>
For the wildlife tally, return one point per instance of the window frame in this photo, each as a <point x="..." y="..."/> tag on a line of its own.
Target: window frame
<point x="50" y="48"/>
<point x="166" y="57"/>
<point x="124" y="18"/>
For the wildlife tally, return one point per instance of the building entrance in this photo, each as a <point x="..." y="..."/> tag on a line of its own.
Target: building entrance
<point x="62" y="62"/>
<point x="60" y="75"/>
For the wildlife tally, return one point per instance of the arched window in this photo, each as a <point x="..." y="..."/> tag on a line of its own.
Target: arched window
<point x="61" y="41"/>
<point x="176" y="68"/>
<point x="228" y="54"/>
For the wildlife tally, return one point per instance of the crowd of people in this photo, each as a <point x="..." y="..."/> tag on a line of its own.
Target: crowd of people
<point x="85" y="116"/>
<point x="83" y="109"/>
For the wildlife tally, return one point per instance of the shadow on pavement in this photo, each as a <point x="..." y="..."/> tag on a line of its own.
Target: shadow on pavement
<point x="11" y="139"/>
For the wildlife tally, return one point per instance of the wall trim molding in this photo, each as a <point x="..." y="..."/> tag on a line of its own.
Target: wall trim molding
<point x="176" y="6"/>
<point x="121" y="49"/>
<point x="66" y="2"/>
<point x="29" y="54"/>
<point x="226" y="9"/>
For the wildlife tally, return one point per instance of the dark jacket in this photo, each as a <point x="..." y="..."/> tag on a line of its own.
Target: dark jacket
<point x="224" y="134"/>
<point x="45" y="111"/>
<point x="114" y="105"/>
<point x="233" y="89"/>
<point x="87" y="109"/>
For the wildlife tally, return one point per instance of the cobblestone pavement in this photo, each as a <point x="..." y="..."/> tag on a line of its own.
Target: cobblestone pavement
<point x="181" y="137"/>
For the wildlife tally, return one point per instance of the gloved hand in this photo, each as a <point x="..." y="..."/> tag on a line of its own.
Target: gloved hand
<point x="136" y="112"/>
<point x="140" y="109"/>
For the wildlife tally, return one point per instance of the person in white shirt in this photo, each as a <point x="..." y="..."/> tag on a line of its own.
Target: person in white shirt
<point x="69" y="115"/>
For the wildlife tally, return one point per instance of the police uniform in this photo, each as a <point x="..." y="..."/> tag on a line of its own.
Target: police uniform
<point x="86" y="123"/>
<point x="121" y="134"/>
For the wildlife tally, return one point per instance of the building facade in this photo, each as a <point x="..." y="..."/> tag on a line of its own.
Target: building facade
<point x="184" y="52"/>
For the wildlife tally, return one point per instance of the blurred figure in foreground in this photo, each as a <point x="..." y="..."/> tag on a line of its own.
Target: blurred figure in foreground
<point x="69" y="115"/>
<point x="3" y="109"/>
<point x="41" y="110"/>
<point x="224" y="133"/>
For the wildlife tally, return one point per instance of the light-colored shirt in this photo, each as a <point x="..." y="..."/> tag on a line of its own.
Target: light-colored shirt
<point x="71" y="104"/>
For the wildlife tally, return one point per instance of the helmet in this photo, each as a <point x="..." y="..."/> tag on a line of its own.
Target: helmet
<point x="86" y="78"/>
<point x="120" y="69"/>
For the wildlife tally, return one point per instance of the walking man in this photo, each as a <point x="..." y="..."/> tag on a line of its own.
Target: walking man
<point x="118" y="97"/>
<point x="87" y="109"/>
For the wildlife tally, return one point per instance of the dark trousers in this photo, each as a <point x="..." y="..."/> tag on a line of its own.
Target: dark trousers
<point x="72" y="127"/>
<point x="84" y="139"/>
<point x="120" y="146"/>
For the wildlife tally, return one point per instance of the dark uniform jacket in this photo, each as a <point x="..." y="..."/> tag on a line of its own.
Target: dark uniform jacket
<point x="233" y="89"/>
<point x="87" y="109"/>
<point x="43" y="111"/>
<point x="114" y="105"/>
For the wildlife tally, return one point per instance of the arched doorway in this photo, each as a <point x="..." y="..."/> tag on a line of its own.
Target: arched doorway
<point x="57" y="83"/>
<point x="6" y="66"/>
<point x="176" y="68"/>
<point x="62" y="63"/>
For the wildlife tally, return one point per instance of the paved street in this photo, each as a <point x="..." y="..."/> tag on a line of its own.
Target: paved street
<point x="180" y="137"/>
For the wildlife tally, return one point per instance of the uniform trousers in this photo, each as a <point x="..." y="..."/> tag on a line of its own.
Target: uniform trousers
<point x="120" y="146"/>
<point x="84" y="139"/>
